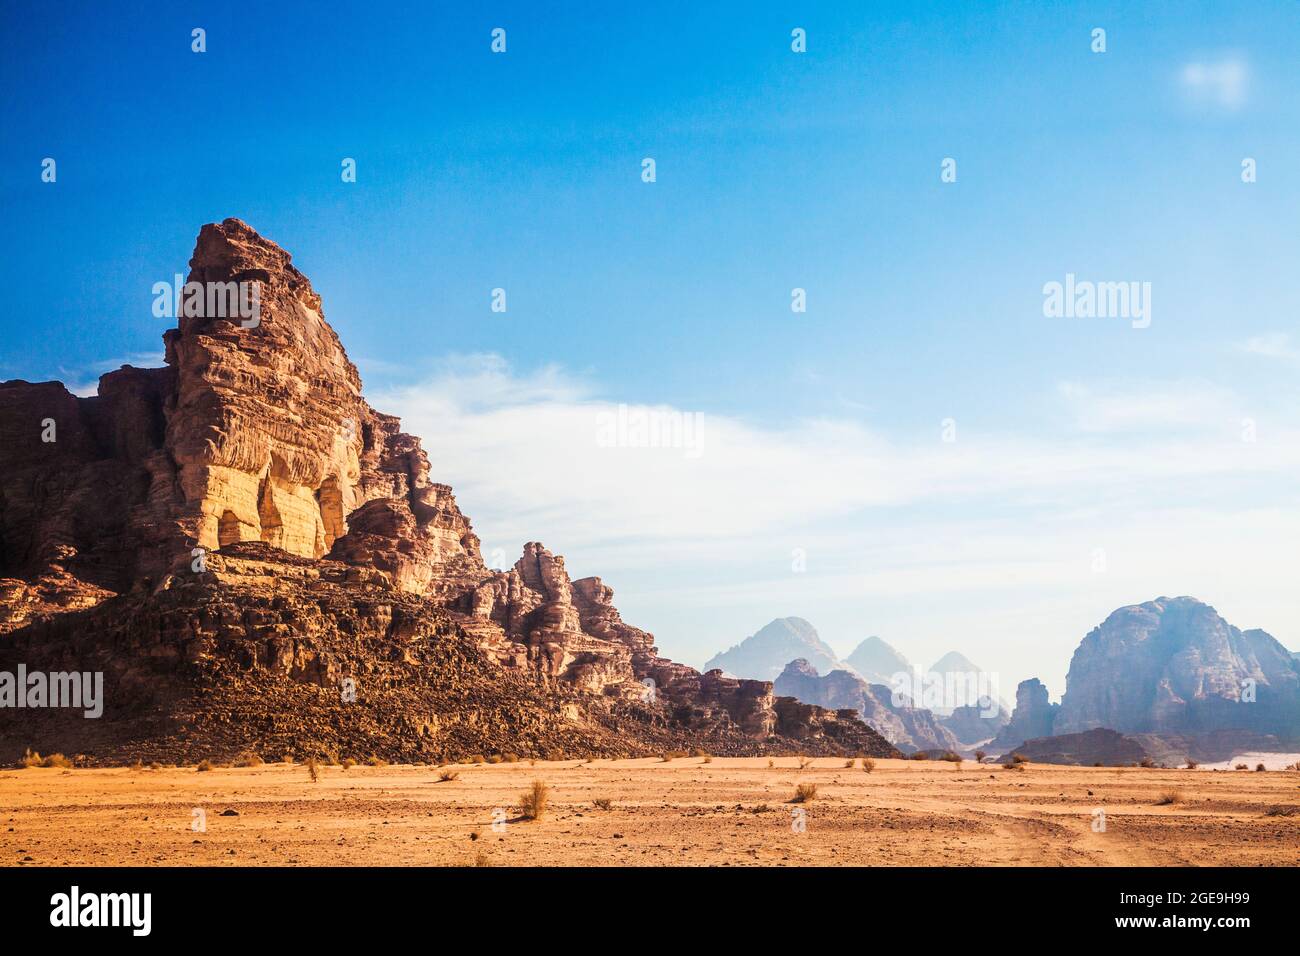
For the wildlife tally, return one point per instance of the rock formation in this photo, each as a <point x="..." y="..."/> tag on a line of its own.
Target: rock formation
<point x="1099" y="747"/>
<point x="232" y="537"/>
<point x="764" y="654"/>
<point x="907" y="728"/>
<point x="1174" y="666"/>
<point x="1034" y="716"/>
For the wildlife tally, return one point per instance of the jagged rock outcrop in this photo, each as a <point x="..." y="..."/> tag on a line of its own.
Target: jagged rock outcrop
<point x="878" y="663"/>
<point x="1034" y="716"/>
<point x="230" y="537"/>
<point x="764" y="654"/>
<point x="907" y="728"/>
<point x="1174" y="666"/>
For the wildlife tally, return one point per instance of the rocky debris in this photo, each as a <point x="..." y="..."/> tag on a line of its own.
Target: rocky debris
<point x="1034" y="716"/>
<point x="907" y="728"/>
<point x="1093" y="747"/>
<point x="878" y="663"/>
<point x="764" y="654"/>
<point x="1174" y="666"/>
<point x="232" y="537"/>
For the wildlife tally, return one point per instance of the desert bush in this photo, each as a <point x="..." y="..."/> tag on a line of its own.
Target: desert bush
<point x="868" y="764"/>
<point x="805" y="762"/>
<point x="707" y="758"/>
<point x="672" y="755"/>
<point x="697" y="752"/>
<point x="374" y="761"/>
<point x="447" y="776"/>
<point x="805" y="792"/>
<point x="1192" y="764"/>
<point x="477" y="758"/>
<point x="248" y="759"/>
<point x="1169" y="797"/>
<point x="1259" y="768"/>
<point x="920" y="755"/>
<point x="347" y="763"/>
<point x="980" y="755"/>
<point x="771" y="764"/>
<point x="602" y="803"/>
<point x="31" y="758"/>
<point x="481" y="859"/>
<point x="951" y="757"/>
<point x="1146" y="762"/>
<point x="155" y="765"/>
<point x="1279" y="810"/>
<point x="313" y="768"/>
<point x="510" y="758"/>
<point x="1242" y="766"/>
<point x="1019" y="758"/>
<point x="495" y="758"/>
<point x="204" y="766"/>
<point x="1014" y="765"/>
<point x="532" y="803"/>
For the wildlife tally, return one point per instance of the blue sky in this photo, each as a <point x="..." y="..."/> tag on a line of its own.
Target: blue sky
<point x="775" y="170"/>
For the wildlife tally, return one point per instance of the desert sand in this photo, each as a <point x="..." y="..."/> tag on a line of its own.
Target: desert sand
<point x="686" y="812"/>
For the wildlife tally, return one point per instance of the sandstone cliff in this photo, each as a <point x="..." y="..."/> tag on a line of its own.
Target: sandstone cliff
<point x="231" y="537"/>
<point x="1174" y="666"/>
<point x="1034" y="716"/>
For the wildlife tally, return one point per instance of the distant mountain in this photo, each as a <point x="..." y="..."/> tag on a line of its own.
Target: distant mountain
<point x="878" y="662"/>
<point x="907" y="728"/>
<point x="762" y="656"/>
<point x="966" y="685"/>
<point x="1174" y="666"/>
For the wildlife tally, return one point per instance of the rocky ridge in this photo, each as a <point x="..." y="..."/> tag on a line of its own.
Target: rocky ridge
<point x="231" y="537"/>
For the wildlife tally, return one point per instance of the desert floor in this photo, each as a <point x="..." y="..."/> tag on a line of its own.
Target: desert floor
<point x="727" y="812"/>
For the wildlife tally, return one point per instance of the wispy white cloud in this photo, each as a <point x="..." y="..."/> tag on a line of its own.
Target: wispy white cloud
<point x="981" y="544"/>
<point x="1222" y="83"/>
<point x="1276" y="345"/>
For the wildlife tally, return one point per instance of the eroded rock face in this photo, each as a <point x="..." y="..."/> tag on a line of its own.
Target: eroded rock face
<point x="907" y="728"/>
<point x="1034" y="716"/>
<point x="243" y="512"/>
<point x="1174" y="666"/>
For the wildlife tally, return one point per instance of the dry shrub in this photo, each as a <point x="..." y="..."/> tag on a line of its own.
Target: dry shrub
<point x="248" y="759"/>
<point x="804" y="792"/>
<point x="868" y="764"/>
<point x="805" y="762"/>
<point x="848" y="764"/>
<point x="374" y="761"/>
<point x="1242" y="766"/>
<point x="1013" y="765"/>
<point x="602" y="803"/>
<point x="481" y="859"/>
<point x="313" y="768"/>
<point x="448" y="775"/>
<point x="532" y="803"/>
<point x="477" y="758"/>
<point x="920" y="755"/>
<point x="1192" y="764"/>
<point x="495" y="758"/>
<point x="951" y="757"/>
<point x="1019" y="758"/>
<point x="1169" y="797"/>
<point x="347" y="763"/>
<point x="510" y="758"/>
<point x="203" y="766"/>
<point x="1259" y="768"/>
<point x="32" y="758"/>
<point x="980" y="755"/>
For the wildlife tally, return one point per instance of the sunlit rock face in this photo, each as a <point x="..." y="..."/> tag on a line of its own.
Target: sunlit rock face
<point x="242" y="518"/>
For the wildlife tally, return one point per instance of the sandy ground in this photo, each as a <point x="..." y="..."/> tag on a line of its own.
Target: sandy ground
<point x="727" y="812"/>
